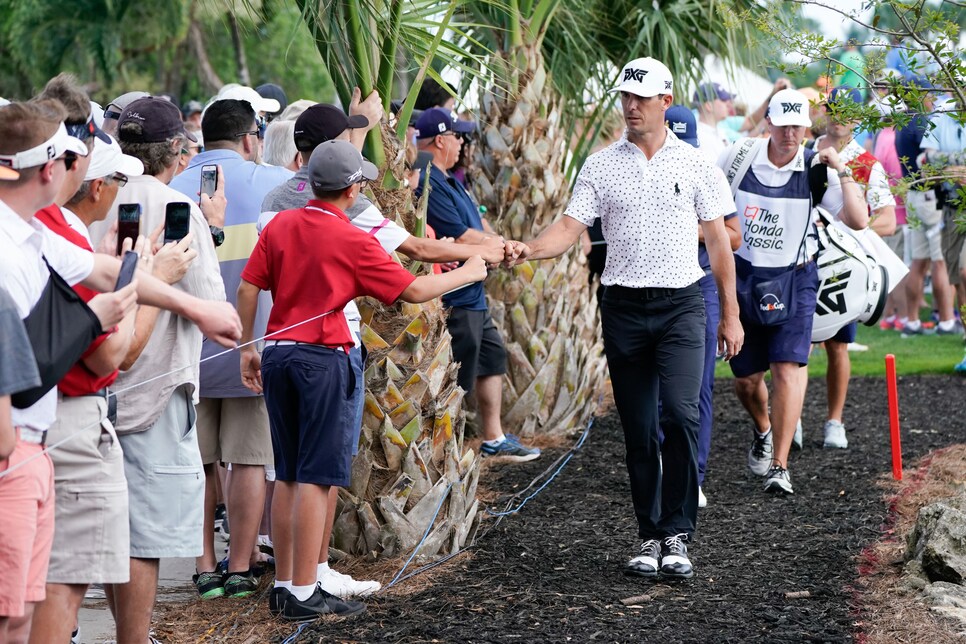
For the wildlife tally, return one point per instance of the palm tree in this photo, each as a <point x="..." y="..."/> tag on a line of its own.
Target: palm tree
<point x="413" y="471"/>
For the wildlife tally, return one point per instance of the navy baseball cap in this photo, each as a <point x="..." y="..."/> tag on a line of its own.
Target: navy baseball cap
<point x="680" y="120"/>
<point x="707" y="92"/>
<point x="437" y="120"/>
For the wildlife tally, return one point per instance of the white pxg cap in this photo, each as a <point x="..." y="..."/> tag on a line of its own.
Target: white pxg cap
<point x="789" y="107"/>
<point x="645" y="77"/>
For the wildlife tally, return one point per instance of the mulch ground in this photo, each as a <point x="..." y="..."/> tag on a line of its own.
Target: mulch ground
<point x="553" y="572"/>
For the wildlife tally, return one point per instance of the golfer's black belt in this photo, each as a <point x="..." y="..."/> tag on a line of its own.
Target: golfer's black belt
<point x="645" y="293"/>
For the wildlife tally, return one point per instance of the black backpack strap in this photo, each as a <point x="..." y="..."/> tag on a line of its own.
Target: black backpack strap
<point x="817" y="177"/>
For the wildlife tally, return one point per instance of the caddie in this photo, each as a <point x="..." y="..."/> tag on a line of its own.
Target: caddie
<point x="776" y="273"/>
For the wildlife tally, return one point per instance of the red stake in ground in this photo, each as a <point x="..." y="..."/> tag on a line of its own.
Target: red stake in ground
<point x="890" y="361"/>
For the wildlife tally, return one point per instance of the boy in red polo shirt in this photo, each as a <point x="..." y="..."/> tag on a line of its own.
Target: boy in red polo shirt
<point x="314" y="261"/>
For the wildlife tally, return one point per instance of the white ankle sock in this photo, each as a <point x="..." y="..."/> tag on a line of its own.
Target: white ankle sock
<point x="495" y="442"/>
<point x="947" y="325"/>
<point x="287" y="585"/>
<point x="914" y="324"/>
<point x="764" y="433"/>
<point x="303" y="592"/>
<point x="322" y="569"/>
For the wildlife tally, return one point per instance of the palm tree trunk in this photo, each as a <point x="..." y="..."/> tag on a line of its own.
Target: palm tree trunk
<point x="544" y="310"/>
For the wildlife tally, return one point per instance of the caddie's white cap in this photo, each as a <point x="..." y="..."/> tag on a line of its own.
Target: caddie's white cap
<point x="107" y="158"/>
<point x="789" y="107"/>
<point x="645" y="77"/>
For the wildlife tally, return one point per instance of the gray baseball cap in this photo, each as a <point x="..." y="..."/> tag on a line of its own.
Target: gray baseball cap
<point x="336" y="165"/>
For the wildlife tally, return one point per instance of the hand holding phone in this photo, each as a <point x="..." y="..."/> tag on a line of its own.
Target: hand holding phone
<point x="177" y="219"/>
<point x="129" y="266"/>
<point x="209" y="180"/>
<point x="128" y="224"/>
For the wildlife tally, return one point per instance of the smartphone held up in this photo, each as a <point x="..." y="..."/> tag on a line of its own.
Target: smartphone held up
<point x="177" y="220"/>
<point x="128" y="224"/>
<point x="209" y="180"/>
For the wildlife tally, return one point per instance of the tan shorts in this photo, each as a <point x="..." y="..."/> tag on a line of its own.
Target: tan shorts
<point x="91" y="534"/>
<point x="896" y="241"/>
<point x="234" y="430"/>
<point x="927" y="242"/>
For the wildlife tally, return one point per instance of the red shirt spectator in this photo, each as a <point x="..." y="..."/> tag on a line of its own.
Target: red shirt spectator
<point x="79" y="381"/>
<point x="309" y="279"/>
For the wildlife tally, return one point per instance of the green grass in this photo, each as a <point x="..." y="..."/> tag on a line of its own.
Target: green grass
<point x="922" y="354"/>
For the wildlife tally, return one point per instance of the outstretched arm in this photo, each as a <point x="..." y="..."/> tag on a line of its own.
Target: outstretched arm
<point x="217" y="320"/>
<point x="427" y="287"/>
<point x="557" y="238"/>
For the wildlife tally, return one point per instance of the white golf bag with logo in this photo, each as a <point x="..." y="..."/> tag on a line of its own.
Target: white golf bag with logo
<point x="852" y="285"/>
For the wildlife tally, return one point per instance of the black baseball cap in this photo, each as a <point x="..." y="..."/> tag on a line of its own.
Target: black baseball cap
<point x="160" y="120"/>
<point x="271" y="90"/>
<point x="321" y="123"/>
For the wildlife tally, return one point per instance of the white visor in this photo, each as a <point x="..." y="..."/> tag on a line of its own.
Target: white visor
<point x="52" y="148"/>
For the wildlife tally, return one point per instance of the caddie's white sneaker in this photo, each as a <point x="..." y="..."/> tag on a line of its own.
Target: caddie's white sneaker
<point x="760" y="454"/>
<point x="835" y="435"/>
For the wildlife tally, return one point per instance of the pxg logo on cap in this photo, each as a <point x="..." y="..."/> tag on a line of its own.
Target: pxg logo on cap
<point x="645" y="77"/>
<point x="789" y="107"/>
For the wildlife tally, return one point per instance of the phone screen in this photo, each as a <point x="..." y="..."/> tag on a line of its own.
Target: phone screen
<point x="128" y="266"/>
<point x="176" y="219"/>
<point x="209" y="179"/>
<point x="128" y="223"/>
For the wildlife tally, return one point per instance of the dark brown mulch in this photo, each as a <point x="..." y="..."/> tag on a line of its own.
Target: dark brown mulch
<point x="553" y="572"/>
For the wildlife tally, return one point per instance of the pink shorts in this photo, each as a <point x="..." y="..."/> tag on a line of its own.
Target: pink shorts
<point x="27" y="529"/>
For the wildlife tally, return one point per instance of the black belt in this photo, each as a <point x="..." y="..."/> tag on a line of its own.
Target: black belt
<point x="647" y="293"/>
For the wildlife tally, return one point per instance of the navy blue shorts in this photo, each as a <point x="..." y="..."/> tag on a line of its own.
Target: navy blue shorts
<point x="847" y="333"/>
<point x="308" y="393"/>
<point x="789" y="342"/>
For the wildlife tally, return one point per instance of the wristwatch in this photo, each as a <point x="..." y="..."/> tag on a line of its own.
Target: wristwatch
<point x="846" y="172"/>
<point x="217" y="235"/>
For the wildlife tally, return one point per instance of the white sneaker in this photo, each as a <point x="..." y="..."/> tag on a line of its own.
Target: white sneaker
<point x="855" y="346"/>
<point x="835" y="435"/>
<point x="702" y="499"/>
<point x="797" y="438"/>
<point x="778" y="480"/>
<point x="344" y="586"/>
<point x="760" y="454"/>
